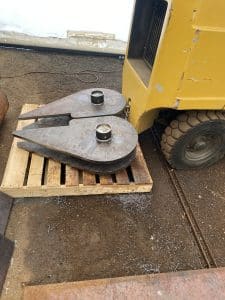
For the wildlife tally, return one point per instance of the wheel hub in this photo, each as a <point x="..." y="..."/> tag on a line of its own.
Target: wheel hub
<point x="202" y="147"/>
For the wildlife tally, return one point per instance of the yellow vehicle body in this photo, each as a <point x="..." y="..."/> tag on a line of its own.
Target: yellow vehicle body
<point x="189" y="68"/>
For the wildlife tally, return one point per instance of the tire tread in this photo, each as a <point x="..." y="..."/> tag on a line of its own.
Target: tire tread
<point x="180" y="127"/>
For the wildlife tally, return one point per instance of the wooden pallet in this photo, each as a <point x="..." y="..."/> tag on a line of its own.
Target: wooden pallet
<point x="30" y="175"/>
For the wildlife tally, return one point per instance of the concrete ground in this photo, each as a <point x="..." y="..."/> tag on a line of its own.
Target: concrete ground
<point x="77" y="238"/>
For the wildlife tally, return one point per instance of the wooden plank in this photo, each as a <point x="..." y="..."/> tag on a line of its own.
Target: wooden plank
<point x="139" y="169"/>
<point x="36" y="169"/>
<point x="63" y="190"/>
<point x="17" y="162"/>
<point x="106" y="179"/>
<point x="72" y="176"/>
<point x="122" y="177"/>
<point x="53" y="173"/>
<point x="88" y="178"/>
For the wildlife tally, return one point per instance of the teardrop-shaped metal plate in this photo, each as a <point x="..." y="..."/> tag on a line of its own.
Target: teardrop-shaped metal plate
<point x="77" y="163"/>
<point x="79" y="105"/>
<point x="79" y="139"/>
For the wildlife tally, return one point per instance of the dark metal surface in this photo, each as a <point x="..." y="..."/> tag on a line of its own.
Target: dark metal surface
<point x="103" y="133"/>
<point x="6" y="251"/>
<point x="189" y="285"/>
<point x="154" y="32"/>
<point x="5" y="208"/>
<point x="80" y="143"/>
<point x="50" y="122"/>
<point x="79" y="105"/>
<point x="97" y="97"/>
<point x="203" y="146"/>
<point x="78" y="163"/>
<point x="79" y="139"/>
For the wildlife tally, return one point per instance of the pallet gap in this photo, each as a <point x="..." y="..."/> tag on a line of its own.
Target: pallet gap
<point x="80" y="176"/>
<point x="63" y="174"/>
<point x="97" y="178"/>
<point x="27" y="170"/>
<point x="130" y="174"/>
<point x="114" y="178"/>
<point x="44" y="171"/>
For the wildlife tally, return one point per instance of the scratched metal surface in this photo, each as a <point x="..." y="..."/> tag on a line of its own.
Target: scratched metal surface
<point x="79" y="139"/>
<point x="5" y="208"/>
<point x="78" y="163"/>
<point x="79" y="105"/>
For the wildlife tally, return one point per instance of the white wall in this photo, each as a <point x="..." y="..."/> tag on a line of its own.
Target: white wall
<point x="54" y="18"/>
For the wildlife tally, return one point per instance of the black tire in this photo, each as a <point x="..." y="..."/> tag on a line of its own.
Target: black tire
<point x="196" y="139"/>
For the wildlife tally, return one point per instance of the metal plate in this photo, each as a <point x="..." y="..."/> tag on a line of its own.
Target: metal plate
<point x="205" y="284"/>
<point x="77" y="163"/>
<point x="5" y="208"/>
<point x="49" y="122"/>
<point x="79" y="105"/>
<point x="6" y="251"/>
<point x="79" y="139"/>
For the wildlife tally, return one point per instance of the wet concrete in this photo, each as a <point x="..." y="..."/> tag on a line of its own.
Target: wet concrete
<point x="77" y="238"/>
<point x="205" y="192"/>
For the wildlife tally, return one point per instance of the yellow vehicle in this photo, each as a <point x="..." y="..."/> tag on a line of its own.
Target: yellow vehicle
<point x="175" y="67"/>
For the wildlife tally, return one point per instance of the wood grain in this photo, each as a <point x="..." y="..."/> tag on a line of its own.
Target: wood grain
<point x="72" y="176"/>
<point x="88" y="178"/>
<point x="106" y="179"/>
<point x="53" y="173"/>
<point x="35" y="171"/>
<point x="122" y="177"/>
<point x="139" y="169"/>
<point x="17" y="161"/>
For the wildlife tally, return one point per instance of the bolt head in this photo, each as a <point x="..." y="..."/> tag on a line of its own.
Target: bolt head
<point x="97" y="97"/>
<point x="103" y="133"/>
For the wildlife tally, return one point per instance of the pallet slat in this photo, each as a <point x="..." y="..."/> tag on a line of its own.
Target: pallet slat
<point x="122" y="177"/>
<point x="72" y="176"/>
<point x="30" y="175"/>
<point x="88" y="178"/>
<point x="18" y="158"/>
<point x="54" y="173"/>
<point x="35" y="171"/>
<point x="106" y="179"/>
<point x="139" y="169"/>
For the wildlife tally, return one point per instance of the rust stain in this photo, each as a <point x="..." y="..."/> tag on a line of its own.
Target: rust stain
<point x="199" y="284"/>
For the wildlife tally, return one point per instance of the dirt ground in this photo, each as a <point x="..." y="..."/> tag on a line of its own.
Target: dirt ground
<point x="76" y="238"/>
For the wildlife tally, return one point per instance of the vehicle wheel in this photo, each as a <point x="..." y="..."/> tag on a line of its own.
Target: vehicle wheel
<point x="195" y="139"/>
<point x="4" y="105"/>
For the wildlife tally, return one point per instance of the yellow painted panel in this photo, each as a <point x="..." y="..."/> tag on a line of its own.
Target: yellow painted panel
<point x="168" y="67"/>
<point x="211" y="14"/>
<point x="189" y="68"/>
<point x="135" y="91"/>
<point x="205" y="74"/>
